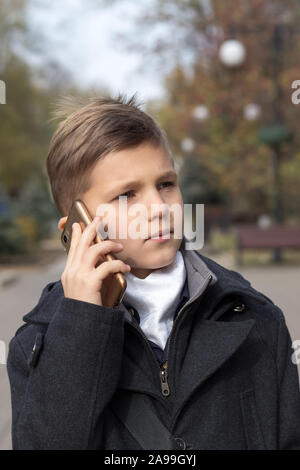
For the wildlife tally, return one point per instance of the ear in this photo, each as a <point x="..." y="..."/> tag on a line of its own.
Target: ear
<point x="61" y="223"/>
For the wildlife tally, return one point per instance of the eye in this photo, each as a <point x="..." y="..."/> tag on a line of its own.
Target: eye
<point x="125" y="194"/>
<point x="130" y="194"/>
<point x="168" y="183"/>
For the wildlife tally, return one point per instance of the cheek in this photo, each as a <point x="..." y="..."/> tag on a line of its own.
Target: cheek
<point x="130" y="252"/>
<point x="175" y="197"/>
<point x="178" y="197"/>
<point x="111" y="224"/>
<point x="177" y="214"/>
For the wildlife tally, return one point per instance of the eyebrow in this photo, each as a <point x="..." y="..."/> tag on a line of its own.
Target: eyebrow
<point x="135" y="184"/>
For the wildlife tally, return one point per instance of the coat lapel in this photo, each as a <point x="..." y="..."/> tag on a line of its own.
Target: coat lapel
<point x="211" y="345"/>
<point x="193" y="360"/>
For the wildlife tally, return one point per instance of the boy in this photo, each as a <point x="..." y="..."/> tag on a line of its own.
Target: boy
<point x="211" y="354"/>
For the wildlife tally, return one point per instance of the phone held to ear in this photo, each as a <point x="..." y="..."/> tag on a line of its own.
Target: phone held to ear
<point x="114" y="286"/>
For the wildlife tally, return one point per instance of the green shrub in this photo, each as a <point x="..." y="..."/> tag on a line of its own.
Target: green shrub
<point x="12" y="239"/>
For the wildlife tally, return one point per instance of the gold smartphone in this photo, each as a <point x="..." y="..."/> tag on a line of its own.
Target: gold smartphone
<point x="114" y="286"/>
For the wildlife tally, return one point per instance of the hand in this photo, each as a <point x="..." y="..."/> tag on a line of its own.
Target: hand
<point x="83" y="277"/>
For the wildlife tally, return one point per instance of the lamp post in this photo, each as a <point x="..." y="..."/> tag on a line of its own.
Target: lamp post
<point x="277" y="133"/>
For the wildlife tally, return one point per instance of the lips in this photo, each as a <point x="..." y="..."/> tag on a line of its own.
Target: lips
<point x="161" y="233"/>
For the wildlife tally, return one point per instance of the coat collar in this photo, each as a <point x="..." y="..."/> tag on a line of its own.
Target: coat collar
<point x="47" y="305"/>
<point x="202" y="274"/>
<point x="217" y="282"/>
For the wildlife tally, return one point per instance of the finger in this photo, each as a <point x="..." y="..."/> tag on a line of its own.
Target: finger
<point x="98" y="251"/>
<point x="111" y="267"/>
<point x="75" y="237"/>
<point x="87" y="238"/>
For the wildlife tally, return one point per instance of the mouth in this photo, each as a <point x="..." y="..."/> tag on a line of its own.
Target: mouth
<point x="161" y="235"/>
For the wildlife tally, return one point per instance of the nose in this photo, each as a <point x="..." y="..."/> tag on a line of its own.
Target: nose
<point x="156" y="207"/>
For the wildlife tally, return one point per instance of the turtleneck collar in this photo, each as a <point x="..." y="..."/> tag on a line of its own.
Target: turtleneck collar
<point x="156" y="297"/>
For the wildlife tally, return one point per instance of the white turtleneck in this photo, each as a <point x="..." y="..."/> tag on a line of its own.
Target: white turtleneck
<point x="156" y="297"/>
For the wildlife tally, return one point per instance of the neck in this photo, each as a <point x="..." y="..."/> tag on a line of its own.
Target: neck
<point x="142" y="273"/>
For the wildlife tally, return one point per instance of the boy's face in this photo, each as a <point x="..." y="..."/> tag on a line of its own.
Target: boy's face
<point x="145" y="170"/>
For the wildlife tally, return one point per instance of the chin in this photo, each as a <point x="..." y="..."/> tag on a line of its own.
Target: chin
<point x="162" y="257"/>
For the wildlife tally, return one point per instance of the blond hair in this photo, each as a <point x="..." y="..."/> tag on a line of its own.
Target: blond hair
<point x="89" y="132"/>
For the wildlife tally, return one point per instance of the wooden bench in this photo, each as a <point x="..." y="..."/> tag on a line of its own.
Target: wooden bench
<point x="273" y="237"/>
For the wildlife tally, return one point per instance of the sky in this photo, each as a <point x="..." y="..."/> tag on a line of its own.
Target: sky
<point x="84" y="42"/>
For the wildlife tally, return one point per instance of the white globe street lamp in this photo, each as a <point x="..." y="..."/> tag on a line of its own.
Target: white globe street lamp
<point x="187" y="144"/>
<point x="264" y="221"/>
<point x="252" y="111"/>
<point x="232" y="53"/>
<point x="201" y="112"/>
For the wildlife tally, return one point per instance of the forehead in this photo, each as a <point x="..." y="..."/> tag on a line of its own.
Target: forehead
<point x="138" y="163"/>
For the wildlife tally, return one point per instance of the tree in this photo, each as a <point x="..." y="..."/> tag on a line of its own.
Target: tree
<point x="187" y="36"/>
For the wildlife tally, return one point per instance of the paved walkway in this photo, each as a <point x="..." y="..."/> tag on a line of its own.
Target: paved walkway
<point x="17" y="298"/>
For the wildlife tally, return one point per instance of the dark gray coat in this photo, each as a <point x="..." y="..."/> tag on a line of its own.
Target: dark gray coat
<point x="231" y="379"/>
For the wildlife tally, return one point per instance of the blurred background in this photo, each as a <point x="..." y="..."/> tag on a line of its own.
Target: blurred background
<point x="222" y="79"/>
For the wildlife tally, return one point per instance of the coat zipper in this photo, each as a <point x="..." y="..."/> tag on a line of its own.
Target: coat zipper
<point x="165" y="390"/>
<point x="165" y="387"/>
<point x="163" y="369"/>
